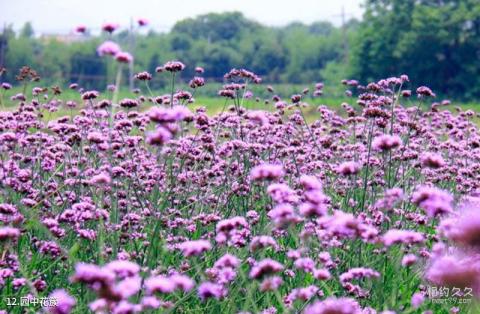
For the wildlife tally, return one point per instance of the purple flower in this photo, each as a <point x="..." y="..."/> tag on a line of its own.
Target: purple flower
<point x="197" y="247"/>
<point x="80" y="29"/>
<point x="283" y="215"/>
<point x="321" y="274"/>
<point x="386" y="142"/>
<point x="167" y="285"/>
<point x="143" y="76"/>
<point x="123" y="57"/>
<point x="417" y="300"/>
<point x="6" y="86"/>
<point x="19" y="282"/>
<point x="8" y="209"/>
<point x="333" y="305"/>
<point x="100" y="179"/>
<point x="96" y="137"/>
<point x="227" y="93"/>
<point x="226" y="225"/>
<point x="271" y="283"/>
<point x="264" y="268"/>
<point x="391" y="197"/>
<point x="260" y="242"/>
<point x="396" y="236"/>
<point x="432" y="160"/>
<point x="64" y="302"/>
<point x="182" y="282"/>
<point x="108" y="48"/>
<point x="341" y="224"/>
<point x="197" y="82"/>
<point x="128" y="287"/>
<point x="160" y="284"/>
<point x="281" y="193"/>
<point x="310" y="183"/>
<point x="93" y="274"/>
<point x="150" y="302"/>
<point x="9" y="233"/>
<point x="425" y="91"/>
<point x="98" y="305"/>
<point x="166" y="115"/>
<point x="20" y="97"/>
<point x="455" y="271"/>
<point x="123" y="269"/>
<point x="109" y="27"/>
<point x="303" y="294"/>
<point x="358" y="273"/>
<point x="464" y="227"/>
<point x="227" y="260"/>
<point x="128" y="103"/>
<point x="211" y="290"/>
<point x="88" y="95"/>
<point x="306" y="264"/>
<point x="142" y="22"/>
<point x="267" y="172"/>
<point x="409" y="260"/>
<point x="349" y="168"/>
<point x="258" y="117"/>
<point x="173" y="66"/>
<point x="296" y="98"/>
<point x="315" y="204"/>
<point x="159" y="137"/>
<point x="434" y="201"/>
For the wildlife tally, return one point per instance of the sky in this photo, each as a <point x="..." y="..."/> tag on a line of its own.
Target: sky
<point x="61" y="16"/>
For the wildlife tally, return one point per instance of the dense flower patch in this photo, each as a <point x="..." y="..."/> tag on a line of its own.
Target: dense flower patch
<point x="143" y="205"/>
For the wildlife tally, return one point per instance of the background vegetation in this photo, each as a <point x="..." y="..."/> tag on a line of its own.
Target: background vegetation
<point x="437" y="42"/>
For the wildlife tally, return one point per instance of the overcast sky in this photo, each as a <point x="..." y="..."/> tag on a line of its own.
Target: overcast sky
<point x="61" y="16"/>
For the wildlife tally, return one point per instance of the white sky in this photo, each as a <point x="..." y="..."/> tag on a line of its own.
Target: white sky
<point x="61" y="16"/>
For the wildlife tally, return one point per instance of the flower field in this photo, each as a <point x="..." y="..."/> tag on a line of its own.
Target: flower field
<point x="142" y="205"/>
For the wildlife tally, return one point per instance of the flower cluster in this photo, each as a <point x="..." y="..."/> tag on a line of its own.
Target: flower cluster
<point x="148" y="203"/>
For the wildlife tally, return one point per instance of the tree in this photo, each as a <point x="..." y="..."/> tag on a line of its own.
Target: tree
<point x="213" y="27"/>
<point x="27" y="30"/>
<point x="6" y="35"/>
<point x="436" y="42"/>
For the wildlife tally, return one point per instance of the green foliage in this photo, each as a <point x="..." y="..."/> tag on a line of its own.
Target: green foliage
<point x="436" y="42"/>
<point x="218" y="42"/>
<point x="20" y="53"/>
<point x="215" y="27"/>
<point x="27" y="30"/>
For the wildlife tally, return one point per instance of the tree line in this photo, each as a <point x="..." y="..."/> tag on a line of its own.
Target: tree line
<point x="435" y="42"/>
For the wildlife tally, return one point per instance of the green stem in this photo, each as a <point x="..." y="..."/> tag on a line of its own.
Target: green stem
<point x="365" y="179"/>
<point x="172" y="89"/>
<point x="117" y="84"/>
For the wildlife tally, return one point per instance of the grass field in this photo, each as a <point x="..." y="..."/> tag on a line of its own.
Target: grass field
<point x="214" y="104"/>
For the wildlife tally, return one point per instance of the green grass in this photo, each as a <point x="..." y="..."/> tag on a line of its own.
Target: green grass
<point x="207" y="98"/>
<point x="213" y="104"/>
